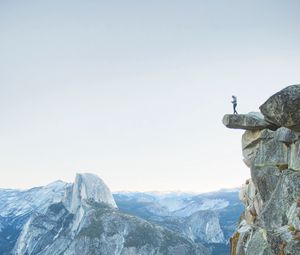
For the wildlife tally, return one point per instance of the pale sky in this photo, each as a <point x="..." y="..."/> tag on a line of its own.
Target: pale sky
<point x="135" y="91"/>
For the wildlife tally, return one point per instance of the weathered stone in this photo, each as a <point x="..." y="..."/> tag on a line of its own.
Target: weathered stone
<point x="293" y="247"/>
<point x="275" y="211"/>
<point x="247" y="162"/>
<point x="294" y="159"/>
<point x="233" y="243"/>
<point x="276" y="243"/>
<point x="258" y="244"/>
<point x="283" y="108"/>
<point x="251" y="138"/>
<point x="292" y="215"/>
<point x="244" y="121"/>
<point x="245" y="232"/>
<point x="251" y="198"/>
<point x="265" y="180"/>
<point x="271" y="153"/>
<point x="285" y="135"/>
<point x="251" y="141"/>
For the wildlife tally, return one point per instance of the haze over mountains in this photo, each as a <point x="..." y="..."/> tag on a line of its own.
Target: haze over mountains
<point x="85" y="218"/>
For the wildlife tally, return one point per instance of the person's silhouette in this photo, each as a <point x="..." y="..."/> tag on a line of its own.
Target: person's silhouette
<point x="234" y="103"/>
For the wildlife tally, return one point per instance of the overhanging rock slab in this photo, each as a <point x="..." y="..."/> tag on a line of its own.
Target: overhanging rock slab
<point x="244" y="121"/>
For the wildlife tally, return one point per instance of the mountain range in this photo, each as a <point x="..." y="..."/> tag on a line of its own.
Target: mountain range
<point x="208" y="218"/>
<point x="84" y="217"/>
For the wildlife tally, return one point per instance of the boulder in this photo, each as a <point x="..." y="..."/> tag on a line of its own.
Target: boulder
<point x="251" y="121"/>
<point x="283" y="108"/>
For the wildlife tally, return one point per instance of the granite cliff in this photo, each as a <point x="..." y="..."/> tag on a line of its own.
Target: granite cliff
<point x="270" y="224"/>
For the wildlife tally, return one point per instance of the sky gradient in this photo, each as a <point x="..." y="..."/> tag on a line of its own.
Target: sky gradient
<point x="135" y="91"/>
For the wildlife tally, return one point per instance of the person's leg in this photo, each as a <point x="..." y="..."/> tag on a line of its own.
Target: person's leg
<point x="234" y="109"/>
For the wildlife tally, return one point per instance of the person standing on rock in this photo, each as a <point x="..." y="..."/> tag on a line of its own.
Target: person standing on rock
<point x="234" y="103"/>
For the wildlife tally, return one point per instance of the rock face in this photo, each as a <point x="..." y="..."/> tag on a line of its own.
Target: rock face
<point x="283" y="108"/>
<point x="87" y="221"/>
<point x="87" y="187"/>
<point x="271" y="221"/>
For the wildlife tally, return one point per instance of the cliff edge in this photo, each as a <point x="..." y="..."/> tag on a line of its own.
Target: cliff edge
<point x="270" y="224"/>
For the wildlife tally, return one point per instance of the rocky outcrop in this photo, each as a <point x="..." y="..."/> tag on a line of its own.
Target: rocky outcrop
<point x="87" y="221"/>
<point x="283" y="108"/>
<point x="250" y="121"/>
<point x="87" y="187"/>
<point x="270" y="224"/>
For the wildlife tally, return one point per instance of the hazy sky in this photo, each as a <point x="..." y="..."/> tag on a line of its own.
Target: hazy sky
<point x="135" y="91"/>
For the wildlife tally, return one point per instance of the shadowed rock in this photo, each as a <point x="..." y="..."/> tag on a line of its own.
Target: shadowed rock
<point x="250" y="121"/>
<point x="283" y="108"/>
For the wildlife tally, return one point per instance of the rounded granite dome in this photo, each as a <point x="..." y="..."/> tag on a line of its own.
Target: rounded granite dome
<point x="89" y="187"/>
